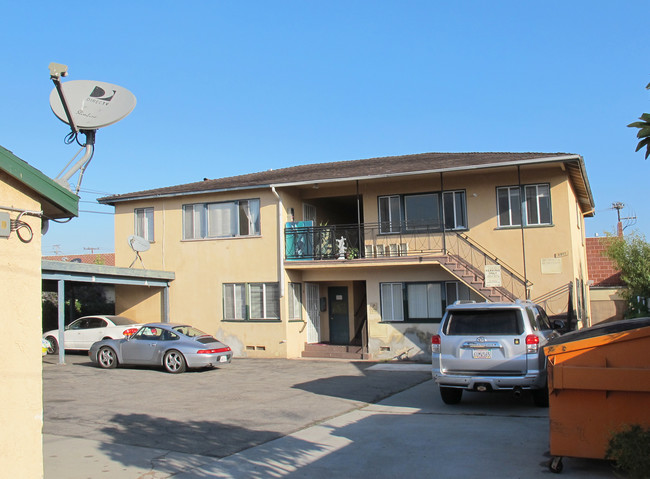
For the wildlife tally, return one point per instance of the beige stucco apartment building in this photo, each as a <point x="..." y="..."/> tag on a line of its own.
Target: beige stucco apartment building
<point x="27" y="198"/>
<point x="364" y="254"/>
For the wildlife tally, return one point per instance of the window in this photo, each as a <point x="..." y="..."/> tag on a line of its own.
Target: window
<point x="144" y="223"/>
<point x="234" y="301"/>
<point x="422" y="212"/>
<point x="536" y="203"/>
<point x="392" y="307"/>
<point x="416" y="301"/>
<point x="243" y="301"/>
<point x="390" y="217"/>
<point x="221" y="220"/>
<point x="264" y="301"/>
<point x="295" y="301"/>
<point x="454" y="210"/>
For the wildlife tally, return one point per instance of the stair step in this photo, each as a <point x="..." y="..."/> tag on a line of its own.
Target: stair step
<point x="322" y="350"/>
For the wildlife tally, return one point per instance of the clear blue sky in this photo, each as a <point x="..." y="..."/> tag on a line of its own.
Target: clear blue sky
<point x="227" y="88"/>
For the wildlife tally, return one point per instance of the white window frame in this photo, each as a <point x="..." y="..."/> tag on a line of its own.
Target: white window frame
<point x="267" y="304"/>
<point x="542" y="201"/>
<point x="234" y="297"/>
<point x="143" y="223"/>
<point x="392" y="301"/>
<point x="201" y="220"/>
<point x="528" y="210"/>
<point x="295" y="301"/>
<point x="458" y="221"/>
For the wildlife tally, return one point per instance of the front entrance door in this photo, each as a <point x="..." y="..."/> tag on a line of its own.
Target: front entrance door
<point x="339" y="319"/>
<point x="313" y="312"/>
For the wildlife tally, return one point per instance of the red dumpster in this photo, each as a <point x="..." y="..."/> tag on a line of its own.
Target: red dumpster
<point x="599" y="382"/>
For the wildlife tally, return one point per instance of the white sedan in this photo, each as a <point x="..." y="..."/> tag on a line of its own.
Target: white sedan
<point x="83" y="332"/>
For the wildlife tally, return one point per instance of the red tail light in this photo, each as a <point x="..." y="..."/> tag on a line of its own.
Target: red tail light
<point x="532" y="343"/>
<point x="435" y="343"/>
<point x="213" y="351"/>
<point x="130" y="331"/>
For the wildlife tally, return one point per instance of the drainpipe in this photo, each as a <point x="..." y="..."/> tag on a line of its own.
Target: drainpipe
<point x="521" y="224"/>
<point x="280" y="243"/>
<point x="442" y="215"/>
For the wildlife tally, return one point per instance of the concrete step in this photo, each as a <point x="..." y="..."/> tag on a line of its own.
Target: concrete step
<point x="322" y="350"/>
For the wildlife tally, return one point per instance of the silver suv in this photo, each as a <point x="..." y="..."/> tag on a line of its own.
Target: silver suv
<point x="492" y="347"/>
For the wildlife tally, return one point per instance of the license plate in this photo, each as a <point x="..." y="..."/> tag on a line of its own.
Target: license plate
<point x="482" y="354"/>
<point x="223" y="359"/>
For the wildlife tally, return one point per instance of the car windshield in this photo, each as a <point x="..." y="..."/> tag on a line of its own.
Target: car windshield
<point x="487" y="322"/>
<point x="121" y="320"/>
<point x="190" y="331"/>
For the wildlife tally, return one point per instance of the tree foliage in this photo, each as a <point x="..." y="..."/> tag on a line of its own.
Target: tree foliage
<point x="644" y="131"/>
<point x="632" y="257"/>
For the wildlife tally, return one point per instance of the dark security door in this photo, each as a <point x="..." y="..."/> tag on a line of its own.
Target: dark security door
<point x="339" y="320"/>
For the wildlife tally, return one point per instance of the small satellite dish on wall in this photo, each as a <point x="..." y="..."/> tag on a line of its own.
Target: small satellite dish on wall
<point x="139" y="245"/>
<point x="92" y="104"/>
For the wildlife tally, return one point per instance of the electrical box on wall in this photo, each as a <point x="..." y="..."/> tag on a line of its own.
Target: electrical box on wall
<point x="5" y="224"/>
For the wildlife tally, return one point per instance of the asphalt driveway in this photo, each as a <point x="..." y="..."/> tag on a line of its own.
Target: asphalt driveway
<point x="209" y="412"/>
<point x="286" y="418"/>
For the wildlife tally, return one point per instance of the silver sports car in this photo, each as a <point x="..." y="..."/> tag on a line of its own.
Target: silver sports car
<point x="176" y="347"/>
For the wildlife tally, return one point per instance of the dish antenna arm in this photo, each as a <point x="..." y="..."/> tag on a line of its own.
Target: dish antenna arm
<point x="57" y="71"/>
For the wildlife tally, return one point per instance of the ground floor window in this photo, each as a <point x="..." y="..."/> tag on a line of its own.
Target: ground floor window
<point x="295" y="301"/>
<point x="251" y="301"/>
<point x="419" y="301"/>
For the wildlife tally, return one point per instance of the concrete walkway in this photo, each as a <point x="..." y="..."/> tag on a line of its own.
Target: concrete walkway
<point x="409" y="434"/>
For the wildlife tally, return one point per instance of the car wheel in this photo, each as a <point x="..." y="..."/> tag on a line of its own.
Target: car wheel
<point x="174" y="362"/>
<point x="54" y="345"/>
<point x="451" y="395"/>
<point x="107" y="358"/>
<point x="540" y="396"/>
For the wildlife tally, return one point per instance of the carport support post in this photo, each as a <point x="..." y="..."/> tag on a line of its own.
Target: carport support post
<point x="61" y="311"/>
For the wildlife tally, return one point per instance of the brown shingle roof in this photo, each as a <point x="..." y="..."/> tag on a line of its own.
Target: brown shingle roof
<point x="372" y="167"/>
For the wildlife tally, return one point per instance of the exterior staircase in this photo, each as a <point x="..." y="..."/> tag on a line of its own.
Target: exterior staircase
<point x="324" y="350"/>
<point x="474" y="279"/>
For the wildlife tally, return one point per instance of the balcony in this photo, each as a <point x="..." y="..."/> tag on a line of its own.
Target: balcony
<point x="368" y="240"/>
<point x="454" y="250"/>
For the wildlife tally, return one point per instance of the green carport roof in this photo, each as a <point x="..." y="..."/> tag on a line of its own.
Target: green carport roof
<point x="58" y="202"/>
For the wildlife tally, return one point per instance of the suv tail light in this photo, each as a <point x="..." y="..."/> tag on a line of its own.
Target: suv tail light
<point x="532" y="343"/>
<point x="435" y="343"/>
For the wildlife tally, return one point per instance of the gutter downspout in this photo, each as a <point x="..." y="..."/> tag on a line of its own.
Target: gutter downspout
<point x="280" y="244"/>
<point x="523" y="236"/>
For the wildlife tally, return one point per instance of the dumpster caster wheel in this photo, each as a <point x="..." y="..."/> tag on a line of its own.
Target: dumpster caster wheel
<point x="556" y="465"/>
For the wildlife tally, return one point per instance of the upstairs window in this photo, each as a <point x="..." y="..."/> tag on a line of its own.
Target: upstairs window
<point x="221" y="220"/>
<point x="422" y="212"/>
<point x="144" y="223"/>
<point x="533" y="200"/>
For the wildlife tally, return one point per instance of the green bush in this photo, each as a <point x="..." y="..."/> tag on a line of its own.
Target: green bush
<point x="630" y="448"/>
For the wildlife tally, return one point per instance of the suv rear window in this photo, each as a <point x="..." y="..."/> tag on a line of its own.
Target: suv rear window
<point x="489" y="322"/>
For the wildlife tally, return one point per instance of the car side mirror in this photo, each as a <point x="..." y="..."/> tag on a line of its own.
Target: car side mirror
<point x="558" y="324"/>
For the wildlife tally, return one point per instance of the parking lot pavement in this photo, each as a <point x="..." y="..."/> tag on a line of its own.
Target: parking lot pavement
<point x="314" y="421"/>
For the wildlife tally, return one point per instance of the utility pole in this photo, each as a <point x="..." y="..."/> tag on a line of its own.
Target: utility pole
<point x="92" y="249"/>
<point x="618" y="206"/>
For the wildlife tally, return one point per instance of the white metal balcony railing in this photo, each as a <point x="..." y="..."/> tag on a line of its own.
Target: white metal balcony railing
<point x="304" y="242"/>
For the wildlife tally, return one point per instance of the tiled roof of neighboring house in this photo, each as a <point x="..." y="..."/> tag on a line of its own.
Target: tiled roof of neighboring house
<point x="373" y="168"/>
<point x="602" y="270"/>
<point x="106" y="259"/>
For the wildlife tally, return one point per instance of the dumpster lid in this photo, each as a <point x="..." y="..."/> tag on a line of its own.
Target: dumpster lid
<point x="601" y="330"/>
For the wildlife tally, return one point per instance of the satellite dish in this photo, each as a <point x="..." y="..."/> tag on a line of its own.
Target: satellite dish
<point x="138" y="243"/>
<point x="92" y="104"/>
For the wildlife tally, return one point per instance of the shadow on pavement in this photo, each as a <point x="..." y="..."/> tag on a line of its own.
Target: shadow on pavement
<point x="373" y="386"/>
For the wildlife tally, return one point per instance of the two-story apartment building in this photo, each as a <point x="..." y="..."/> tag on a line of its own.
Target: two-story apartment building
<point x="363" y="253"/>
